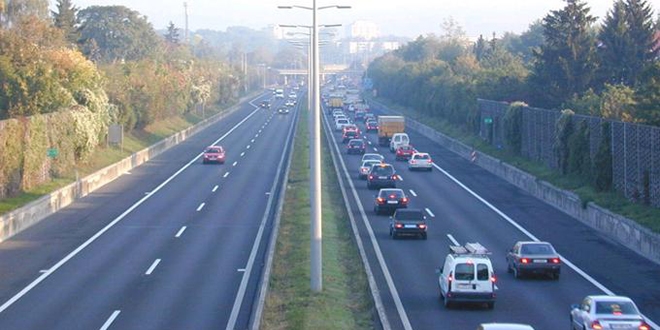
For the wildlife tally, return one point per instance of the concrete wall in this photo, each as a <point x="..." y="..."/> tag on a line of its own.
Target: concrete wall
<point x="20" y="219"/>
<point x="621" y="229"/>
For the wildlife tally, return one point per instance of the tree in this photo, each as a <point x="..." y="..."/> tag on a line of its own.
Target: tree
<point x="480" y="48"/>
<point x="15" y="10"/>
<point x="119" y="32"/>
<point x="65" y="19"/>
<point x="566" y="61"/>
<point x="603" y="160"/>
<point x="618" y="102"/>
<point x="627" y="42"/>
<point x="172" y="35"/>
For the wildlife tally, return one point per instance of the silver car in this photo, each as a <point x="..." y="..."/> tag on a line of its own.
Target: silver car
<point x="365" y="168"/>
<point x="420" y="160"/>
<point x="373" y="156"/>
<point x="607" y="312"/>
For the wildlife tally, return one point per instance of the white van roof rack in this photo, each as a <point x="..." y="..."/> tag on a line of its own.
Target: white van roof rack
<point x="469" y="248"/>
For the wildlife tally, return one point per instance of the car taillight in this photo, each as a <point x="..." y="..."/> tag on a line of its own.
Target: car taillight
<point x="555" y="260"/>
<point x="380" y="200"/>
<point x="398" y="225"/>
<point x="524" y="260"/>
<point x="644" y="326"/>
<point x="404" y="200"/>
<point x="596" y="325"/>
<point x="398" y="152"/>
<point x="371" y="177"/>
<point x="493" y="279"/>
<point x="421" y="226"/>
<point x="394" y="177"/>
<point x="413" y="162"/>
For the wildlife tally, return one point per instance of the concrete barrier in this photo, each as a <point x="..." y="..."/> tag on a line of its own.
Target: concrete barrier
<point x="22" y="218"/>
<point x="621" y="229"/>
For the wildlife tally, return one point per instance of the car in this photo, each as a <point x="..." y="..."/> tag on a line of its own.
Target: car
<point x="365" y="168"/>
<point x="351" y="127"/>
<point x="408" y="222"/>
<point x="504" y="326"/>
<point x="283" y="110"/>
<point x="531" y="257"/>
<point x="213" y="154"/>
<point x="371" y="126"/>
<point x="467" y="275"/>
<point x="373" y="156"/>
<point x="356" y="146"/>
<point x="264" y="104"/>
<point x="349" y="135"/>
<point x="382" y="176"/>
<point x="289" y="103"/>
<point x="292" y="95"/>
<point x="389" y="200"/>
<point x="420" y="160"/>
<point x="337" y="113"/>
<point x="359" y="115"/>
<point x="369" y="116"/>
<point x="340" y="122"/>
<point x="404" y="152"/>
<point x="607" y="312"/>
<point x="399" y="139"/>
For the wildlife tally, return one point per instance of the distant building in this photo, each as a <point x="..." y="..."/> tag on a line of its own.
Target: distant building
<point x="277" y="31"/>
<point x="364" y="30"/>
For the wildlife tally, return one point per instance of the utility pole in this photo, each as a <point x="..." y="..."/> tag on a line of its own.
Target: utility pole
<point x="185" y="9"/>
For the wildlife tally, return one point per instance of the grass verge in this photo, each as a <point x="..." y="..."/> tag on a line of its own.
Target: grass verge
<point x="646" y="216"/>
<point x="104" y="156"/>
<point x="345" y="301"/>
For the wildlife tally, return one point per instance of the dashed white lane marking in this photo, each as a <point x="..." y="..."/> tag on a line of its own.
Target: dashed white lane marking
<point x="200" y="207"/>
<point x="242" y="153"/>
<point x="147" y="193"/>
<point x="214" y="189"/>
<point x="259" y="131"/>
<point x="412" y="192"/>
<point x="399" y="177"/>
<point x="128" y="172"/>
<point x="242" y="270"/>
<point x="257" y="135"/>
<point x="252" y="141"/>
<point x="234" y="164"/>
<point x="429" y="212"/>
<point x="453" y="240"/>
<point x="248" y="147"/>
<point x="375" y="149"/>
<point x="152" y="267"/>
<point x="369" y="142"/>
<point x="44" y="271"/>
<point x="111" y="319"/>
<point x="180" y="232"/>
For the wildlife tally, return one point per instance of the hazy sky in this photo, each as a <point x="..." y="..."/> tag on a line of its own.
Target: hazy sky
<point x="403" y="18"/>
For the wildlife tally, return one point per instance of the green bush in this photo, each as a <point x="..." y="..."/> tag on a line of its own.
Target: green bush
<point x="513" y="126"/>
<point x="603" y="160"/>
<point x="563" y="129"/>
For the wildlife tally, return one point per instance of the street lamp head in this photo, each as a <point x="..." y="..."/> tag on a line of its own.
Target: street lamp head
<point x="284" y="7"/>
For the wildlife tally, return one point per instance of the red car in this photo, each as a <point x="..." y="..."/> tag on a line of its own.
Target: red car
<point x="372" y="125"/>
<point x="214" y="154"/>
<point x="405" y="152"/>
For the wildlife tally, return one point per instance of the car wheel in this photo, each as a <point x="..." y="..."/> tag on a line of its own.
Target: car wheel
<point x="424" y="236"/>
<point x="517" y="273"/>
<point x="555" y="276"/>
<point x="447" y="303"/>
<point x="491" y="305"/>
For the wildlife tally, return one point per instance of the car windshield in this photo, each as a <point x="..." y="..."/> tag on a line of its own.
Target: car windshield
<point x="537" y="249"/>
<point x="409" y="215"/>
<point x="382" y="170"/>
<point x="616" y="308"/>
<point x="464" y="272"/>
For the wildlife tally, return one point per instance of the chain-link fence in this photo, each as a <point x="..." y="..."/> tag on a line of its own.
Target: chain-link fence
<point x="635" y="147"/>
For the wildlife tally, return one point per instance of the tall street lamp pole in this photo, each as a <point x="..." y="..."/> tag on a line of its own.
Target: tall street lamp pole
<point x="315" y="155"/>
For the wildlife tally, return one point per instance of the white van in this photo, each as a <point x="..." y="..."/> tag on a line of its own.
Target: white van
<point x="279" y="93"/>
<point x="399" y="139"/>
<point x="467" y="276"/>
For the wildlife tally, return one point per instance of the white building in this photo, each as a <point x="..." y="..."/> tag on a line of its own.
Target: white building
<point x="364" y="30"/>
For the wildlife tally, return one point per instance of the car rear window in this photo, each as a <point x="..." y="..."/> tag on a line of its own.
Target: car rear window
<point x="382" y="170"/>
<point x="409" y="215"/>
<point x="536" y="249"/>
<point x="394" y="193"/>
<point x="464" y="272"/>
<point x="482" y="272"/>
<point x="615" y="308"/>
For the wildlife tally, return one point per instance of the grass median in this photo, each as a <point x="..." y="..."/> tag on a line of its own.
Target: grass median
<point x="345" y="301"/>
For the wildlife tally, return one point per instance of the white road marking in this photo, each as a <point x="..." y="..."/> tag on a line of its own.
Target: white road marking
<point x="128" y="172"/>
<point x="256" y="135"/>
<point x="226" y="175"/>
<point x="111" y="319"/>
<point x="248" y="147"/>
<point x="180" y="232"/>
<point x="412" y="192"/>
<point x="375" y="149"/>
<point x="252" y="141"/>
<point x="152" y="267"/>
<point x="453" y="240"/>
<point x="234" y="164"/>
<point x="44" y="271"/>
<point x="75" y="252"/>
<point x="241" y="270"/>
<point x="242" y="153"/>
<point x="369" y="142"/>
<point x="267" y="193"/>
<point x="260" y="130"/>
<point x="399" y="177"/>
<point x="534" y="238"/>
<point x="147" y="193"/>
<point x="215" y="188"/>
<point x="429" y="212"/>
<point x="200" y="207"/>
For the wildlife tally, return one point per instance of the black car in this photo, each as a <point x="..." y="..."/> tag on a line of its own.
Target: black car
<point x="356" y="146"/>
<point x="390" y="199"/>
<point x="382" y="176"/>
<point x="408" y="222"/>
<point x="264" y="104"/>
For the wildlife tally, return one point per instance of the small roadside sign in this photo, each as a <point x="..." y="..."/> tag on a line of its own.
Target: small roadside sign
<point x="488" y="120"/>
<point x="52" y="152"/>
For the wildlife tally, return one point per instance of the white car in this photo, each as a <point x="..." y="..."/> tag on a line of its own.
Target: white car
<point x="366" y="166"/>
<point x="340" y="123"/>
<point x="399" y="139"/>
<point x="420" y="160"/>
<point x="369" y="156"/>
<point x="504" y="326"/>
<point x="607" y="312"/>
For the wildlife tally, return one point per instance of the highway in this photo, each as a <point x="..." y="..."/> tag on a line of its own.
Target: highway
<point x="174" y="244"/>
<point x="465" y="203"/>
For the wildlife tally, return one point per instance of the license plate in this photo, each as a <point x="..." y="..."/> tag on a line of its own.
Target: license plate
<point x="620" y="326"/>
<point x="410" y="226"/>
<point x="392" y="202"/>
<point x="540" y="261"/>
<point x="382" y="177"/>
<point x="464" y="286"/>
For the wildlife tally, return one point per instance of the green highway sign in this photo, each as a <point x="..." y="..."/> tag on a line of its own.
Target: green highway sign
<point x="488" y="120"/>
<point x="53" y="152"/>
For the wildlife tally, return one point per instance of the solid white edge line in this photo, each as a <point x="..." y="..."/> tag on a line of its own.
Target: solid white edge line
<point x="534" y="238"/>
<point x="453" y="240"/>
<point x="180" y="232"/>
<point x="429" y="212"/>
<point x="240" y="295"/>
<point x="111" y="319"/>
<point x="372" y="238"/>
<point x="412" y="192"/>
<point x="152" y="267"/>
<point x="215" y="188"/>
<point x="200" y="207"/>
<point x="64" y="260"/>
